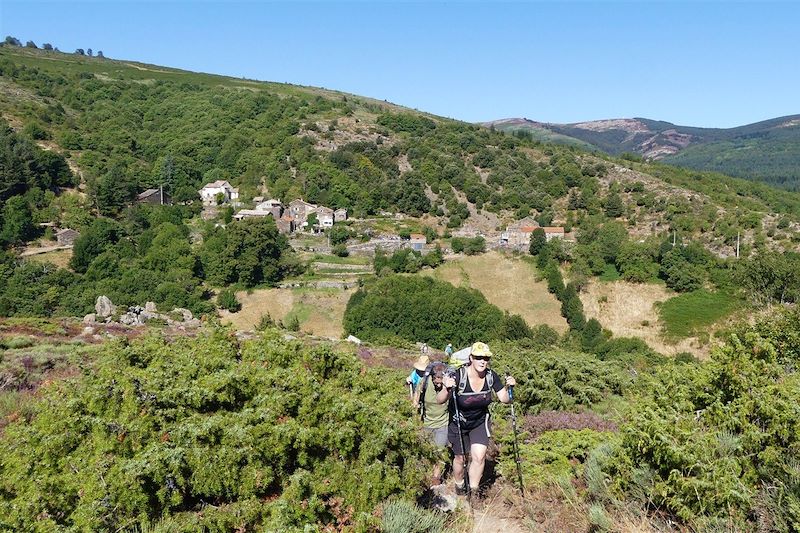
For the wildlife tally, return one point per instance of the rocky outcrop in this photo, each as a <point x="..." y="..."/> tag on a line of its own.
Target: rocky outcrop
<point x="136" y="315"/>
<point x="104" y="308"/>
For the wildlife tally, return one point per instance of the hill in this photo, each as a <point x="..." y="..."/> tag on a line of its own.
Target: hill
<point x="85" y="135"/>
<point x="767" y="151"/>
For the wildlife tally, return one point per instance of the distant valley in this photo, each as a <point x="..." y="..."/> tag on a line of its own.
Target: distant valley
<point x="767" y="151"/>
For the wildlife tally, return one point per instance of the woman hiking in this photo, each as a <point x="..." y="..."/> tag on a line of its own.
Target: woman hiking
<point x="434" y="415"/>
<point x="471" y="388"/>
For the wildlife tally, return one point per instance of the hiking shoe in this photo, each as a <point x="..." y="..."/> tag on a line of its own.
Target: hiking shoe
<point x="461" y="490"/>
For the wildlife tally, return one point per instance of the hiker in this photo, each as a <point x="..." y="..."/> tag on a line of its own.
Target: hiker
<point x="448" y="350"/>
<point x="472" y="387"/>
<point x="417" y="373"/>
<point x="434" y="415"/>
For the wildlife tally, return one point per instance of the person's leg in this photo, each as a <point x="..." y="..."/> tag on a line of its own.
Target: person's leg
<point x="440" y="439"/>
<point x="479" y="439"/>
<point x="458" y="458"/>
<point x="476" y="464"/>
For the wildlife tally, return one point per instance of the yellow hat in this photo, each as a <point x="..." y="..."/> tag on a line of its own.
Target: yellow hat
<point x="480" y="349"/>
<point x="422" y="363"/>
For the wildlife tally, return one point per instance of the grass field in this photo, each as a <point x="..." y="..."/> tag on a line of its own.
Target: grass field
<point x="695" y="312"/>
<point x="59" y="258"/>
<point x="319" y="311"/>
<point x="508" y="282"/>
<point x="631" y="310"/>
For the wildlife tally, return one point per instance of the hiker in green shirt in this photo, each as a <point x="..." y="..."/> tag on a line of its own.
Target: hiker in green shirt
<point x="434" y="415"/>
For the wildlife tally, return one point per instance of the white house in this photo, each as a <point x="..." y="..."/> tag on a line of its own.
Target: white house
<point x="209" y="193"/>
<point x="324" y="216"/>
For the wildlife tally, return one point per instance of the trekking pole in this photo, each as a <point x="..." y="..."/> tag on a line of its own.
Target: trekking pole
<point x="516" y="447"/>
<point x="465" y="465"/>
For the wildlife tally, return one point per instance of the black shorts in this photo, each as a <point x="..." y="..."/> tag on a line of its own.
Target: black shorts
<point x="477" y="435"/>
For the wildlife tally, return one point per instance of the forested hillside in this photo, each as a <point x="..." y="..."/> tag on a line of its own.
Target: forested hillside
<point x="83" y="135"/>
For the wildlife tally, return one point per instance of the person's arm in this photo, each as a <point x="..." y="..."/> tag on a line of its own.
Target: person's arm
<point x="501" y="390"/>
<point x="443" y="395"/>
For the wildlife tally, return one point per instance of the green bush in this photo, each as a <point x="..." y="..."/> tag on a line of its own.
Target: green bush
<point x="558" y="380"/>
<point x="226" y="299"/>
<point x="402" y="516"/>
<point x="210" y="434"/>
<point x="340" y="250"/>
<point x="423" y="309"/>
<point x="720" y="441"/>
<point x="553" y="456"/>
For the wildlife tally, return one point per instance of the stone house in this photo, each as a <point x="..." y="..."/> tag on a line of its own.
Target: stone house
<point x="211" y="191"/>
<point x="417" y="241"/>
<point x="553" y="232"/>
<point x="340" y="215"/>
<point x="518" y="234"/>
<point x="285" y="224"/>
<point x="154" y="196"/>
<point x="66" y="237"/>
<point x="273" y="207"/>
<point x="299" y="210"/>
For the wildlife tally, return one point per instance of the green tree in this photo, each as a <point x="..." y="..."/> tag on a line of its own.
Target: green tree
<point x="100" y="235"/>
<point x="636" y="262"/>
<point x="226" y="299"/>
<point x="538" y="240"/>
<point x="250" y="252"/>
<point x="613" y="205"/>
<point x="17" y="223"/>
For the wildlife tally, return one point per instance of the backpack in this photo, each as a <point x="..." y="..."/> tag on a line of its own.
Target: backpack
<point x="462" y="380"/>
<point x="460" y="358"/>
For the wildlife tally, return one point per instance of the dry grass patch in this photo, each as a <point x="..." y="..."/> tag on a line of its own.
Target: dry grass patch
<point x="59" y="258"/>
<point x="507" y="282"/>
<point x="628" y="310"/>
<point x="319" y="311"/>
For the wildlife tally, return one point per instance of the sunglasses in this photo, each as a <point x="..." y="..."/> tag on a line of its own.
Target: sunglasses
<point x="481" y="357"/>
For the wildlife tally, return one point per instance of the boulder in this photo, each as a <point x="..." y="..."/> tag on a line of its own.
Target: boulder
<point x="187" y="315"/>
<point x="91" y="318"/>
<point x="150" y="307"/>
<point x="131" y="318"/>
<point x="442" y="499"/>
<point x="103" y="307"/>
<point x="353" y="339"/>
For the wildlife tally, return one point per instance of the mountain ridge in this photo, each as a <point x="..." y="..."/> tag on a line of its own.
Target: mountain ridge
<point x="768" y="150"/>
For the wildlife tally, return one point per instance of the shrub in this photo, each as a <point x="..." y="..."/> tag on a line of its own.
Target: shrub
<point x="422" y="309"/>
<point x="211" y="434"/>
<point x="227" y="300"/>
<point x="553" y="456"/>
<point x="402" y="516"/>
<point x="293" y="323"/>
<point x="711" y="442"/>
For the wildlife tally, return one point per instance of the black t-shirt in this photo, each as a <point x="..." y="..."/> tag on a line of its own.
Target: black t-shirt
<point x="474" y="406"/>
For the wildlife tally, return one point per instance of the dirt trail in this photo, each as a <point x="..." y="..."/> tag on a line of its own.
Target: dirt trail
<point x="489" y="520"/>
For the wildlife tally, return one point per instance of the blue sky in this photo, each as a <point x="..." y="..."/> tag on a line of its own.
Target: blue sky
<point x="716" y="64"/>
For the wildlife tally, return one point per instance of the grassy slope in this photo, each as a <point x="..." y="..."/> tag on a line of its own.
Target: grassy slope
<point x="694" y="313"/>
<point x="510" y="283"/>
<point x="319" y="311"/>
